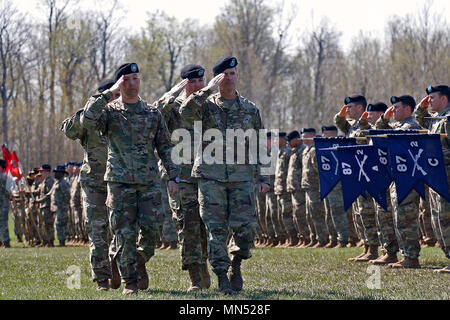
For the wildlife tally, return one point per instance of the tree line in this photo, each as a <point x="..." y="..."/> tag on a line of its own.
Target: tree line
<point x="50" y="67"/>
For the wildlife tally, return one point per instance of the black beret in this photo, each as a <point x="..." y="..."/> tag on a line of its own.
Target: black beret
<point x="125" y="69"/>
<point x="308" y="130"/>
<point x="45" y="167"/>
<point x="357" y="98"/>
<point x="329" y="128"/>
<point x="443" y="89"/>
<point x="379" y="107"/>
<point x="3" y="163"/>
<point x="292" y="135"/>
<point x="408" y="100"/>
<point x="60" y="169"/>
<point x="269" y="134"/>
<point x="282" y="134"/>
<point x="105" y="85"/>
<point x="192" y="71"/>
<point x="226" y="62"/>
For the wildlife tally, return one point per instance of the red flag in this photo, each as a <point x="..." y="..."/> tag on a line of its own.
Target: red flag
<point x="14" y="166"/>
<point x="6" y="154"/>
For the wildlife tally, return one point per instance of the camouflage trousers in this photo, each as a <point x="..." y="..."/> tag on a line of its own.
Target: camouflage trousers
<point x="135" y="210"/>
<point x="299" y="213"/>
<point x="425" y="224"/>
<point x="261" y="213"/>
<point x="79" y="227"/>
<point x="334" y="208"/>
<point x="440" y="214"/>
<point x="169" y="230"/>
<point x="272" y="216"/>
<point x="93" y="195"/>
<point x="406" y="222"/>
<point x="61" y="223"/>
<point x="49" y="222"/>
<point x="285" y="214"/>
<point x="316" y="210"/>
<point x="4" y="232"/>
<point x="191" y="229"/>
<point x="385" y="222"/>
<point x="227" y="207"/>
<point x="352" y="234"/>
<point x="365" y="220"/>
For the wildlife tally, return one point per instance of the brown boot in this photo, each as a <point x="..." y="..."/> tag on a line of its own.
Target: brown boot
<point x="282" y="243"/>
<point x="142" y="283"/>
<point x="115" y="280"/>
<point x="444" y="270"/>
<point x="273" y="243"/>
<point x="360" y="244"/>
<point x="371" y="254"/>
<point x="311" y="244"/>
<point x="366" y="249"/>
<point x="206" y="279"/>
<point x="103" y="285"/>
<point x="51" y="244"/>
<point x="224" y="284"/>
<point x="406" y="263"/>
<point x="293" y="242"/>
<point x="196" y="278"/>
<point x="352" y="243"/>
<point x="386" y="259"/>
<point x="319" y="245"/>
<point x="331" y="244"/>
<point x="341" y="245"/>
<point x="130" y="289"/>
<point x="164" y="246"/>
<point x="6" y="244"/>
<point x="172" y="245"/>
<point x="236" y="280"/>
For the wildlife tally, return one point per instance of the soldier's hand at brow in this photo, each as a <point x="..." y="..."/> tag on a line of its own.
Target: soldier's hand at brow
<point x="214" y="83"/>
<point x="179" y="86"/>
<point x="365" y="116"/>
<point x="389" y="113"/>
<point x="172" y="187"/>
<point x="343" y="112"/>
<point x="116" y="86"/>
<point x="425" y="103"/>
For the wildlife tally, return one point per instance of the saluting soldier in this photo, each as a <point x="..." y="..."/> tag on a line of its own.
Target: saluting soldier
<point x="44" y="203"/>
<point x="59" y="203"/>
<point x="226" y="190"/>
<point x="438" y="100"/>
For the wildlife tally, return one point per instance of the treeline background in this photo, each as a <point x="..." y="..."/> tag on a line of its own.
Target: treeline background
<point x="49" y="68"/>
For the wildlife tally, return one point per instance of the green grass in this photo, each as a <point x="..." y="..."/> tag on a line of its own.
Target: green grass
<point x="276" y="273"/>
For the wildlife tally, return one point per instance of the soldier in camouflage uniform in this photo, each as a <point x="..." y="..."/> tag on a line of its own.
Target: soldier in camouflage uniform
<point x="44" y="203"/>
<point x="226" y="191"/>
<point x="425" y="224"/>
<point x="363" y="209"/>
<point x="93" y="194"/>
<point x="293" y="186"/>
<point x="334" y="205"/>
<point x="438" y="98"/>
<point x="184" y="205"/>
<point x="406" y="214"/>
<point x="4" y="207"/>
<point x="134" y="130"/>
<point x="310" y="183"/>
<point x="76" y="208"/>
<point x="271" y="221"/>
<point x="31" y="209"/>
<point x="284" y="197"/>
<point x="59" y="203"/>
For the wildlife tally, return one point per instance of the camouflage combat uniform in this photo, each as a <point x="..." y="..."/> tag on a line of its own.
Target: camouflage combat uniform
<point x="185" y="207"/>
<point x="440" y="208"/>
<point x="133" y="131"/>
<point x="273" y="225"/>
<point x="4" y="209"/>
<point x="168" y="230"/>
<point x="226" y="191"/>
<point x="44" y="207"/>
<point x="334" y="209"/>
<point x="93" y="192"/>
<point x="59" y="205"/>
<point x="405" y="215"/>
<point x="293" y="186"/>
<point x="314" y="206"/>
<point x="283" y="196"/>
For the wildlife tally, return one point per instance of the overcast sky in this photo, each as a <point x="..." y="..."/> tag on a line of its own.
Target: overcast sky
<point x="349" y="16"/>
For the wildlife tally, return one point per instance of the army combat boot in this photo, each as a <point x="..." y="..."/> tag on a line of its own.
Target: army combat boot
<point x="406" y="263"/>
<point x="115" y="280"/>
<point x="386" y="259"/>
<point x="366" y="249"/>
<point x="6" y="244"/>
<point x="371" y="254"/>
<point x="331" y="244"/>
<point x="196" y="278"/>
<point x="142" y="283"/>
<point x="130" y="288"/>
<point x="224" y="283"/>
<point x="62" y="243"/>
<point x="103" y="285"/>
<point x="236" y="280"/>
<point x="206" y="279"/>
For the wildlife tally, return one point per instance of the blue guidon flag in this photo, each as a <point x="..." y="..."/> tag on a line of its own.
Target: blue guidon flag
<point x="328" y="162"/>
<point x="416" y="160"/>
<point x="360" y="173"/>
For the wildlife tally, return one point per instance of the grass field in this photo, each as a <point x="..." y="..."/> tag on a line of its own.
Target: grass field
<point x="275" y="273"/>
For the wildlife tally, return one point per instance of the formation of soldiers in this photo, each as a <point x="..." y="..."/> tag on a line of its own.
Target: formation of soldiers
<point x="134" y="195"/>
<point x="292" y="214"/>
